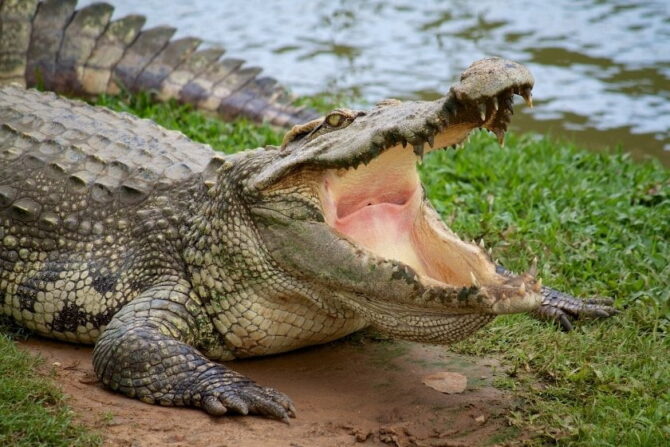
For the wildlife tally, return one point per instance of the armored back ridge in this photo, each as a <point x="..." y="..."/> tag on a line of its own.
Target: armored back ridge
<point x="83" y="52"/>
<point x="83" y="181"/>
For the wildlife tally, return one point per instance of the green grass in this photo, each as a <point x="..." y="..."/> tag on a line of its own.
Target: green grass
<point x="599" y="225"/>
<point x="32" y="408"/>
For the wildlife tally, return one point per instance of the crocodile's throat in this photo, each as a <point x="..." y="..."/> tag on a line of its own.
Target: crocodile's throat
<point x="380" y="207"/>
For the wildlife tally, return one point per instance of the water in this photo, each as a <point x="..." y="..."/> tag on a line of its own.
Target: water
<point x="602" y="68"/>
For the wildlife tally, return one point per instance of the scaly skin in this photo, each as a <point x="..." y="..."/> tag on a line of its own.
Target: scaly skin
<point x="169" y="256"/>
<point x="83" y="52"/>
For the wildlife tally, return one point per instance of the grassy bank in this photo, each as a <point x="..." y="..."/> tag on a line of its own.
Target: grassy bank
<point x="33" y="411"/>
<point x="599" y="225"/>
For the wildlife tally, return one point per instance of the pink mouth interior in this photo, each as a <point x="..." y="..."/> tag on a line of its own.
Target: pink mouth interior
<point x="376" y="206"/>
<point x="380" y="207"/>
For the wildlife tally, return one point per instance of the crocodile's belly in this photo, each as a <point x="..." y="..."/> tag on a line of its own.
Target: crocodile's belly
<point x="266" y="327"/>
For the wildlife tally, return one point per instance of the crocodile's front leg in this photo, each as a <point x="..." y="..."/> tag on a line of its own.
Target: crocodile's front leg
<point x="561" y="307"/>
<point x="145" y="352"/>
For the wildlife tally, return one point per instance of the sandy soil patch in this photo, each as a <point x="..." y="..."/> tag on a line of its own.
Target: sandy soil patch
<point x="346" y="393"/>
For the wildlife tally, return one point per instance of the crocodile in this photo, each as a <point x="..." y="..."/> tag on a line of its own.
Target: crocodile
<point x="84" y="53"/>
<point x="170" y="257"/>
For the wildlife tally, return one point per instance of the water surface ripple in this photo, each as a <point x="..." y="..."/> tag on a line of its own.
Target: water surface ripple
<point x="602" y="67"/>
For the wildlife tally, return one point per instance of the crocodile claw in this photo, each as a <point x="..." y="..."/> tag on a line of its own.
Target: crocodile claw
<point x="246" y="397"/>
<point x="563" y="308"/>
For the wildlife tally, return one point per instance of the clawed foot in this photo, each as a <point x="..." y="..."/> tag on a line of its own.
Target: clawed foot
<point x="244" y="397"/>
<point x="562" y="308"/>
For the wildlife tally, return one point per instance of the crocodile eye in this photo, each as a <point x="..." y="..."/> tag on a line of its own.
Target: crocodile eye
<point x="335" y="119"/>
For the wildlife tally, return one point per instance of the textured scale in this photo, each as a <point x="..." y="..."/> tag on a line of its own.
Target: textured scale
<point x="15" y="29"/>
<point x="93" y="190"/>
<point x="85" y="52"/>
<point x="139" y="54"/>
<point x="48" y="28"/>
<point x="108" y="52"/>
<point x="107" y="166"/>
<point x="79" y="137"/>
<point x="79" y="39"/>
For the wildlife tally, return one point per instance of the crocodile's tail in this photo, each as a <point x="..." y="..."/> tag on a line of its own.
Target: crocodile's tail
<point x="82" y="52"/>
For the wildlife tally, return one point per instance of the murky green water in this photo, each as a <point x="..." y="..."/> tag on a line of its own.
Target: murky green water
<point x="602" y="67"/>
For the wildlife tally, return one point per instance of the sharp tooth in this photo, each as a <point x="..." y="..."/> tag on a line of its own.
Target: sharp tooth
<point x="473" y="278"/>
<point x="418" y="150"/>
<point x="527" y="96"/>
<point x="538" y="285"/>
<point x="500" y="134"/>
<point x="522" y="288"/>
<point x="495" y="103"/>
<point x="482" y="111"/>
<point x="404" y="143"/>
<point x="431" y="141"/>
<point x="481" y="243"/>
<point x="508" y="104"/>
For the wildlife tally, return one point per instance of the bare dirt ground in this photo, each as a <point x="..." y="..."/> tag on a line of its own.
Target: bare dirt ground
<point x="347" y="393"/>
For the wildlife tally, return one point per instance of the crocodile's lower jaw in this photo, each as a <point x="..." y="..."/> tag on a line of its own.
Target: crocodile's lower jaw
<point x="380" y="208"/>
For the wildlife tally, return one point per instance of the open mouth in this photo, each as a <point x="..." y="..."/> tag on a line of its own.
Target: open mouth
<point x="361" y="169"/>
<point x="379" y="206"/>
